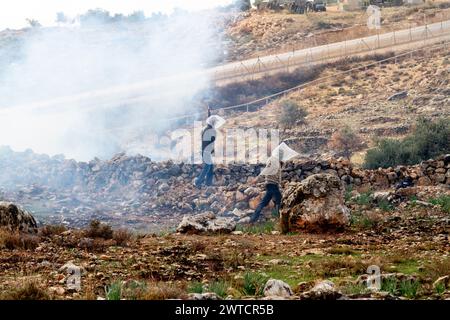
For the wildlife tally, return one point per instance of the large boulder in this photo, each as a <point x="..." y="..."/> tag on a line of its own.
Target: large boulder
<point x="277" y="288"/>
<point x="15" y="218"/>
<point x="315" y="205"/>
<point x="206" y="223"/>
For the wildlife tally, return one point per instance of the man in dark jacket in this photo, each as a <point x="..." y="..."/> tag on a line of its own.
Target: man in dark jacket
<point x="272" y="179"/>
<point x="208" y="139"/>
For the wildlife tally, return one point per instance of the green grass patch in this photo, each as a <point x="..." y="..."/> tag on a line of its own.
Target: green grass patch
<point x="253" y="283"/>
<point x="408" y="266"/>
<point x="354" y="289"/>
<point x="196" y="287"/>
<point x="218" y="287"/>
<point x="360" y="220"/>
<point x="406" y="288"/>
<point x="443" y="202"/>
<point x="364" y="199"/>
<point x="114" y="291"/>
<point x="261" y="228"/>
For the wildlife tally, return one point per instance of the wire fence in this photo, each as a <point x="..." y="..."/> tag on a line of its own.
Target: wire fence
<point x="258" y="103"/>
<point x="247" y="70"/>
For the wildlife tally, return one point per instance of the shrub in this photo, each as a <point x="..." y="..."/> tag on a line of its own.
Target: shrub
<point x="99" y="230"/>
<point x="48" y="231"/>
<point x="122" y="237"/>
<point x="345" y="141"/>
<point x="291" y="114"/>
<point x="428" y="140"/>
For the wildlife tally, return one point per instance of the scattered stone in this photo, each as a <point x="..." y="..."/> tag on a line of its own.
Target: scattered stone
<point x="324" y="290"/>
<point x="206" y="223"/>
<point x="277" y="288"/>
<point x="204" y="296"/>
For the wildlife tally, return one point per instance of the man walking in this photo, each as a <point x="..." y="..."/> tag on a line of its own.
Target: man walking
<point x="272" y="176"/>
<point x="209" y="134"/>
<point x="272" y="179"/>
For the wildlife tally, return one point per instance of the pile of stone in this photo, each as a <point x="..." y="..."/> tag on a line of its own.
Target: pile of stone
<point x="137" y="190"/>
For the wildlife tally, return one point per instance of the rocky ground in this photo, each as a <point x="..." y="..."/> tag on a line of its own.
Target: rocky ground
<point x="408" y="242"/>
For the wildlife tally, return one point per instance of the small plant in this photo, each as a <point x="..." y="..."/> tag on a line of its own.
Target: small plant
<point x="362" y="221"/>
<point x="348" y="194"/>
<point x="114" y="291"/>
<point x="218" y="287"/>
<point x="355" y="289"/>
<point x="345" y="141"/>
<point x="99" y="230"/>
<point x="385" y="205"/>
<point x="122" y="237"/>
<point x="409" y="288"/>
<point x="253" y="284"/>
<point x="291" y="114"/>
<point x="440" y="288"/>
<point x="389" y="285"/>
<point x="443" y="202"/>
<point x="133" y="290"/>
<point x="196" y="287"/>
<point x="364" y="199"/>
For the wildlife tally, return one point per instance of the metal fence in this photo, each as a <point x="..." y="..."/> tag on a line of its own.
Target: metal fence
<point x="409" y="38"/>
<point x="258" y="103"/>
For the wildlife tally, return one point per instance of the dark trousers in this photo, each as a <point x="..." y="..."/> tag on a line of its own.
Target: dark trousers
<point x="206" y="174"/>
<point x="272" y="192"/>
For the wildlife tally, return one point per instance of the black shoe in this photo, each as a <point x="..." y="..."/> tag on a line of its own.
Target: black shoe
<point x="254" y="217"/>
<point x="198" y="186"/>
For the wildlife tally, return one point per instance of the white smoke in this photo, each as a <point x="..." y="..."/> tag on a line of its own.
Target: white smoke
<point x="90" y="92"/>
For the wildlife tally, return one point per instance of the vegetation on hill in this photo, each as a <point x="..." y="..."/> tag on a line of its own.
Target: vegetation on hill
<point x="428" y="139"/>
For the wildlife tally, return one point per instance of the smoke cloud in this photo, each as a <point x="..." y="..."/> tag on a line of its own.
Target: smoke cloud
<point x="96" y="89"/>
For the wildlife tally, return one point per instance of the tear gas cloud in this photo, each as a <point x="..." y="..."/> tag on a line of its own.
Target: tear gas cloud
<point x="94" y="89"/>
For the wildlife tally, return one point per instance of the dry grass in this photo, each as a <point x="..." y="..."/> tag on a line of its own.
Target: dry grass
<point x="122" y="237"/>
<point x="162" y="291"/>
<point x="16" y="240"/>
<point x="49" y="231"/>
<point x="28" y="291"/>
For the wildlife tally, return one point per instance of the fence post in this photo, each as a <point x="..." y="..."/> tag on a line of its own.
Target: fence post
<point x="410" y="32"/>
<point x="378" y="39"/>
